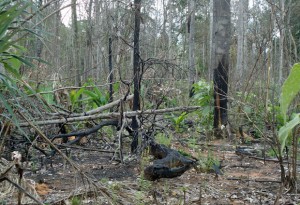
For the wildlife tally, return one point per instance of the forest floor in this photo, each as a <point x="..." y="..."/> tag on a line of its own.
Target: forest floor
<point x="244" y="180"/>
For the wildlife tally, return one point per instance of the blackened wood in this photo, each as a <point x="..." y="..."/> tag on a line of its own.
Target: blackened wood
<point x="220" y="93"/>
<point x="169" y="163"/>
<point x="136" y="72"/>
<point x="111" y="76"/>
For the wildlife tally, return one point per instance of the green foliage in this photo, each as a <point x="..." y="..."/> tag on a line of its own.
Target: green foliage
<point x="92" y="97"/>
<point x="192" y="142"/>
<point x="290" y="89"/>
<point x="47" y="96"/>
<point x="178" y="121"/>
<point x="115" y="186"/>
<point x="204" y="97"/>
<point x="203" y="93"/>
<point x="10" y="52"/>
<point x="206" y="163"/>
<point x="140" y="197"/>
<point x="116" y="87"/>
<point x="275" y="109"/>
<point x="144" y="185"/>
<point x="271" y="153"/>
<point x="284" y="132"/>
<point x="161" y="138"/>
<point x="75" y="201"/>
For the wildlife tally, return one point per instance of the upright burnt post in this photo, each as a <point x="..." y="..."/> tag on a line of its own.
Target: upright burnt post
<point x="136" y="73"/>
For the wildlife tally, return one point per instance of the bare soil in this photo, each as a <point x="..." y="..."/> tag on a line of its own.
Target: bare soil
<point x="245" y="180"/>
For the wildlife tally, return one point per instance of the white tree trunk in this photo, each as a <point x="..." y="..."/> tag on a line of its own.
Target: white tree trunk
<point x="98" y="9"/>
<point x="281" y="41"/>
<point x="211" y="40"/>
<point x="242" y="42"/>
<point x="76" y="56"/>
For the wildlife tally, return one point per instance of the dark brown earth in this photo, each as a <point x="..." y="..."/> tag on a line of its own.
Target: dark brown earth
<point x="243" y="179"/>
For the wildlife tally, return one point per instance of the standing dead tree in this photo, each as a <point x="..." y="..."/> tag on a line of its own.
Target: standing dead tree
<point x="136" y="72"/>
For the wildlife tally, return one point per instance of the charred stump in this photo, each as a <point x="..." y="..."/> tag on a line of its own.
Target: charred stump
<point x="169" y="163"/>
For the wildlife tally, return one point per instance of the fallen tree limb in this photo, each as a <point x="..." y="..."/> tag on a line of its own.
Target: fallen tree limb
<point x="84" y="148"/>
<point x="85" y="132"/>
<point x="253" y="180"/>
<point x="112" y="115"/>
<point x="97" y="110"/>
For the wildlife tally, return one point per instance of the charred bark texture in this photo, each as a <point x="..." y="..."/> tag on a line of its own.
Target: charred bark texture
<point x="169" y="163"/>
<point x="136" y="73"/>
<point x="220" y="59"/>
<point x="220" y="93"/>
<point x="111" y="76"/>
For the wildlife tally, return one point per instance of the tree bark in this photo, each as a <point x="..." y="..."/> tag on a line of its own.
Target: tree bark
<point x="281" y="41"/>
<point x="89" y="45"/>
<point x="242" y="42"/>
<point x="136" y="72"/>
<point x="220" y="59"/>
<point x="75" y="44"/>
<point x="111" y="76"/>
<point x="191" y="31"/>
<point x="98" y="16"/>
<point x="57" y="43"/>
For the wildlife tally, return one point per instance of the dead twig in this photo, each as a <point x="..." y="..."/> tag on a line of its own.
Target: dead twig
<point x="84" y="148"/>
<point x="42" y="135"/>
<point x="22" y="190"/>
<point x="252" y="180"/>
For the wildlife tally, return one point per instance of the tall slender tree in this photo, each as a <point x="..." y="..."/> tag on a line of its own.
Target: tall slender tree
<point x="98" y="15"/>
<point x="191" y="32"/>
<point x="75" y="44"/>
<point x="281" y="40"/>
<point x="89" y="45"/>
<point x="242" y="42"/>
<point x="220" y="59"/>
<point x="136" y="72"/>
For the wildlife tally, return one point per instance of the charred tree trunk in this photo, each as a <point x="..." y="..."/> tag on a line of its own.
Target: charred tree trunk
<point x="220" y="59"/>
<point x="136" y="73"/>
<point x="111" y="76"/>
<point x="220" y="93"/>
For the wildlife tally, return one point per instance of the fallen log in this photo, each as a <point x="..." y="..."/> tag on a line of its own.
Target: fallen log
<point x="113" y="115"/>
<point x="169" y="163"/>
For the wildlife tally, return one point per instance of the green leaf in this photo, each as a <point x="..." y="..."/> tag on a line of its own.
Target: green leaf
<point x="116" y="87"/>
<point x="97" y="91"/>
<point x="90" y="93"/>
<point x="181" y="118"/>
<point x="26" y="62"/>
<point x="15" y="63"/>
<point x="284" y="132"/>
<point x="74" y="95"/>
<point x="12" y="70"/>
<point x="47" y="96"/>
<point x="290" y="89"/>
<point x="7" y="17"/>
